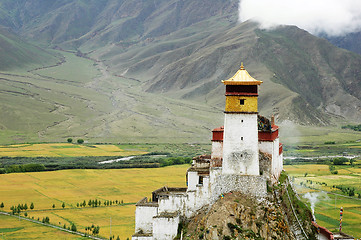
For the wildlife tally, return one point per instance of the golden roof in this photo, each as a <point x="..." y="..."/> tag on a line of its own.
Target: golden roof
<point x="241" y="77"/>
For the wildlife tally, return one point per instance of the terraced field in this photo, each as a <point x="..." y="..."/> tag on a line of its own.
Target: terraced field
<point x="317" y="186"/>
<point x="74" y="186"/>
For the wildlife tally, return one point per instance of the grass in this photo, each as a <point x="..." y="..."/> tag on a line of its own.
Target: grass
<point x="73" y="186"/>
<point x="328" y="206"/>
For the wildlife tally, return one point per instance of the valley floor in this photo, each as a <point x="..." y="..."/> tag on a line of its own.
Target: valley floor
<point x="75" y="186"/>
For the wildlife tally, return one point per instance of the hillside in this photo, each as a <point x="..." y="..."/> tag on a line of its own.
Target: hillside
<point x="151" y="71"/>
<point x="98" y="22"/>
<point x="18" y="54"/>
<point x="238" y="216"/>
<point x="351" y="42"/>
<point x="306" y="79"/>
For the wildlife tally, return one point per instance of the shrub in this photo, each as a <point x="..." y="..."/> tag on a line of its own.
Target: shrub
<point x="80" y="141"/>
<point x="339" y="161"/>
<point x="69" y="140"/>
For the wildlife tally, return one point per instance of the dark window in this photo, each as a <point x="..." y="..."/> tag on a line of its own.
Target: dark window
<point x="241" y="101"/>
<point x="241" y="89"/>
<point x="200" y="180"/>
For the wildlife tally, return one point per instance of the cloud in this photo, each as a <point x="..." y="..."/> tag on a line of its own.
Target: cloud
<point x="332" y="17"/>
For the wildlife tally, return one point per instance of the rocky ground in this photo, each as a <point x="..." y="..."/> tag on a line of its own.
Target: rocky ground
<point x="237" y="216"/>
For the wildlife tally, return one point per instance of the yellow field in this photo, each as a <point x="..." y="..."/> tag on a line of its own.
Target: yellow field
<point x="63" y="150"/>
<point x="73" y="186"/>
<point x="12" y="228"/>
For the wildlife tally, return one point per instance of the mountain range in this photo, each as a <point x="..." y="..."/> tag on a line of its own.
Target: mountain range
<point x="154" y="56"/>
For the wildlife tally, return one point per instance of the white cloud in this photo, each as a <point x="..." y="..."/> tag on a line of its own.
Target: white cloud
<point x="333" y="17"/>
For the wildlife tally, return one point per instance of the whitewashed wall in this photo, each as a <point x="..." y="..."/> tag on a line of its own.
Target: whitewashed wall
<point x="174" y="203"/>
<point x="217" y="150"/>
<point x="240" y="144"/>
<point x="165" y="228"/>
<point x="144" y="218"/>
<point x="193" y="179"/>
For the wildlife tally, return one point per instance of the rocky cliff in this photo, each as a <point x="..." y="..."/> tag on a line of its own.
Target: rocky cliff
<point x="235" y="216"/>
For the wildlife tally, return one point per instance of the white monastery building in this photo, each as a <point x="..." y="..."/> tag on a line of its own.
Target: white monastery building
<point x="246" y="153"/>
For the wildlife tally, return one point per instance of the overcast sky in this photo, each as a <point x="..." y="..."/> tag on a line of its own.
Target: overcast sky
<point x="333" y="17"/>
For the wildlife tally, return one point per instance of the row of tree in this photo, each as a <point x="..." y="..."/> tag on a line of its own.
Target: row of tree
<point x="343" y="161"/>
<point x="353" y="127"/>
<point x="31" y="167"/>
<point x="80" y="141"/>
<point x="347" y="190"/>
<point x="20" y="207"/>
<point x="93" y="229"/>
<point x="62" y="205"/>
<point x="96" y="203"/>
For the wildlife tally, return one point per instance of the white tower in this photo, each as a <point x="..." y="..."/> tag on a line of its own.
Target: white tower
<point x="240" y="143"/>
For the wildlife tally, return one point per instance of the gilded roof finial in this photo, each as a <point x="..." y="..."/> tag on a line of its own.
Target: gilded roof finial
<point x="242" y="67"/>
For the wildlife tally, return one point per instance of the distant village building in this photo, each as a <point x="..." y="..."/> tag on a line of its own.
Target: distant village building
<point x="246" y="153"/>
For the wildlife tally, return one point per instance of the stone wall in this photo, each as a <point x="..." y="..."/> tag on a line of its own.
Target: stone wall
<point x="255" y="186"/>
<point x="265" y="164"/>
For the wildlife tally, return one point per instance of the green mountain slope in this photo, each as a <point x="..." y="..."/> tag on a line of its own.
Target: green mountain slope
<point x="351" y="42"/>
<point x="99" y="22"/>
<point x="307" y="79"/>
<point x="16" y="53"/>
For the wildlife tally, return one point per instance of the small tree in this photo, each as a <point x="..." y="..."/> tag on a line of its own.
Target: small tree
<point x="25" y="214"/>
<point x="339" y="161"/>
<point x="70" y="140"/>
<point x="63" y="205"/>
<point x="80" y="141"/>
<point x="352" y="161"/>
<point x="73" y="227"/>
<point x="53" y="206"/>
<point x="26" y="207"/>
<point x="32" y="206"/>
<point x="2" y="205"/>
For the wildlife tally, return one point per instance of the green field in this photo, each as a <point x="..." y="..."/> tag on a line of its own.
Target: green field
<point x="319" y="181"/>
<point x="74" y="186"/>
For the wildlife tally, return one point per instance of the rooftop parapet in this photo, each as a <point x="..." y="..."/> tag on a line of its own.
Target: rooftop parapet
<point x="165" y="191"/>
<point x="144" y="203"/>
